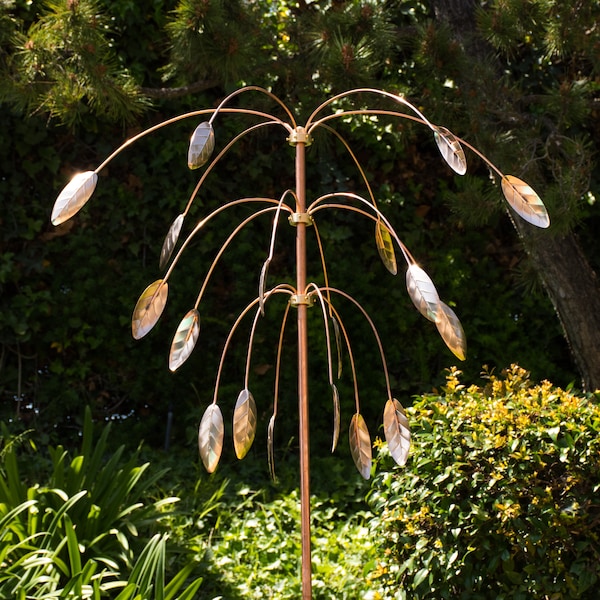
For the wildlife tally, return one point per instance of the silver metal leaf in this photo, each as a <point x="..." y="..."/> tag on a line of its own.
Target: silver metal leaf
<point x="271" y="447"/>
<point x="262" y="286"/>
<point x="210" y="437"/>
<point x="170" y="241"/>
<point x="452" y="331"/>
<point x="360" y="445"/>
<point x="396" y="430"/>
<point x="73" y="196"/>
<point x="185" y="339"/>
<point x="244" y="423"/>
<point x="422" y="291"/>
<point x="336" y="416"/>
<point x="148" y="308"/>
<point x="202" y="144"/>
<point x="450" y="149"/>
<point x="525" y="201"/>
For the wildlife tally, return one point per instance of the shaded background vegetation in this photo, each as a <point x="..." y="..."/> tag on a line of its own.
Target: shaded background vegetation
<point x="67" y="293"/>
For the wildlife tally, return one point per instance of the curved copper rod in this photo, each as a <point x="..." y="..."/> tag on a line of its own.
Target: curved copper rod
<point x="321" y="254"/>
<point x="426" y="122"/>
<point x="194" y="113"/>
<point x="256" y="88"/>
<point x="275" y="221"/>
<point x="350" y="195"/>
<point x="350" y="356"/>
<point x="317" y="291"/>
<point x="218" y="158"/>
<point x="270" y="456"/>
<point x="214" y="213"/>
<point x="394" y="97"/>
<point x="280" y="289"/>
<point x="226" y="244"/>
<point x="356" y="162"/>
<point x="375" y="333"/>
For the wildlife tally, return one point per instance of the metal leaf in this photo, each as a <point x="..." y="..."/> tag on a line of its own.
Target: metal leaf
<point x="244" y="423"/>
<point x="210" y="437"/>
<point x="385" y="247"/>
<point x="422" y="291"/>
<point x="360" y="445"/>
<point x="170" y="241"/>
<point x="450" y="149"/>
<point x="148" y="309"/>
<point x="270" y="446"/>
<point x="336" y="416"/>
<point x="451" y="331"/>
<point x="396" y="430"/>
<point x="185" y="339"/>
<point x="202" y="144"/>
<point x="524" y="201"/>
<point x="338" y="344"/>
<point x="73" y="196"/>
<point x="262" y="286"/>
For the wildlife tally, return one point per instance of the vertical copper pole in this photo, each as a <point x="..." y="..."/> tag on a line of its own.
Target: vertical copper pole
<point x="303" y="371"/>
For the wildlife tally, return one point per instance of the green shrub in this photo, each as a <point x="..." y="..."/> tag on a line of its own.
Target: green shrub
<point x="499" y="499"/>
<point x="86" y="529"/>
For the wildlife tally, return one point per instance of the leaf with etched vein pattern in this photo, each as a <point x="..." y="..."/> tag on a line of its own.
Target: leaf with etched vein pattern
<point x="202" y="144"/>
<point x="170" y="241"/>
<point x="422" y="291"/>
<point x="385" y="247"/>
<point x="360" y="445"/>
<point x="396" y="430"/>
<point x="210" y="437"/>
<point x="450" y="149"/>
<point x="73" y="196"/>
<point x="244" y="423"/>
<point x="185" y="339"/>
<point x="525" y="201"/>
<point x="148" y="309"/>
<point x="452" y="331"/>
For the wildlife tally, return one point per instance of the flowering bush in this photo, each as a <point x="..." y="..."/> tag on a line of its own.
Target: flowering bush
<point x="499" y="499"/>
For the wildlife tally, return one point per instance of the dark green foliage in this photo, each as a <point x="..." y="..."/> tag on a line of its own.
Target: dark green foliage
<point x="499" y="497"/>
<point x="82" y="526"/>
<point x="66" y="294"/>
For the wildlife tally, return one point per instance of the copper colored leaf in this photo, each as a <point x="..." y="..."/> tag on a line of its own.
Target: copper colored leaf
<point x="422" y="291"/>
<point x="396" y="430"/>
<point x="524" y="201"/>
<point x="450" y="149"/>
<point x="244" y="423"/>
<point x="210" y="437"/>
<point x="336" y="416"/>
<point x="262" y="284"/>
<point x="270" y="446"/>
<point x="170" y="241"/>
<point x="202" y="144"/>
<point x="451" y="331"/>
<point x="185" y="339"/>
<point x="148" y="309"/>
<point x="385" y="247"/>
<point x="360" y="445"/>
<point x="73" y="196"/>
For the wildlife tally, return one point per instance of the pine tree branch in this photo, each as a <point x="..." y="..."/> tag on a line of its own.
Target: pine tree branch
<point x="177" y="92"/>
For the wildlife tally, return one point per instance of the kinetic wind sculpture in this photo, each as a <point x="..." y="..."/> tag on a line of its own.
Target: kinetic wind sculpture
<point x="522" y="198"/>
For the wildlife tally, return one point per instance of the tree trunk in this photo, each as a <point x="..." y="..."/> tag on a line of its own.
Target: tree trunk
<point x="569" y="279"/>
